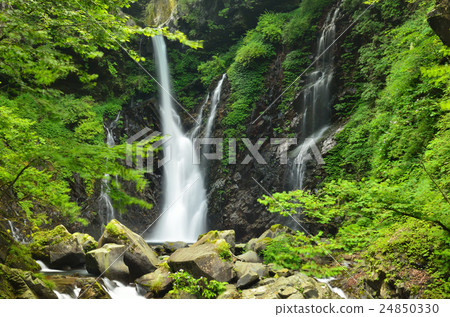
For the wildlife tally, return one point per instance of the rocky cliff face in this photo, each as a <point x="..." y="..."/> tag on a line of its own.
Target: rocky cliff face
<point x="439" y="20"/>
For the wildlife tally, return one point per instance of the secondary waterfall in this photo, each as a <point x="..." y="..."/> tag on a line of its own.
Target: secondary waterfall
<point x="214" y="103"/>
<point x="183" y="213"/>
<point x="317" y="98"/>
<point x="107" y="212"/>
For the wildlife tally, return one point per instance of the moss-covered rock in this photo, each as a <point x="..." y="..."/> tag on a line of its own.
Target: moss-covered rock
<point x="16" y="255"/>
<point x="202" y="260"/>
<point x="57" y="248"/>
<point x="227" y="235"/>
<point x="108" y="261"/>
<point x="15" y="283"/>
<point x="87" y="242"/>
<point x="138" y="255"/>
<point x="158" y="283"/>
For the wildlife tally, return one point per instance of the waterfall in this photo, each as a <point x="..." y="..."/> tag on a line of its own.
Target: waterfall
<point x="196" y="130"/>
<point x="214" y="103"/>
<point x="184" y="207"/>
<point x="107" y="209"/>
<point x="317" y="99"/>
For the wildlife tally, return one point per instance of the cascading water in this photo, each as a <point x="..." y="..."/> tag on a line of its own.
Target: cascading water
<point x="317" y="98"/>
<point x="196" y="130"/>
<point x="214" y="103"/>
<point x="107" y="209"/>
<point x="184" y="207"/>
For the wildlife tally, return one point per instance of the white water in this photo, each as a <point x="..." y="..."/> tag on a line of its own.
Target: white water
<point x="46" y="269"/>
<point x="214" y="103"/>
<point x="317" y="100"/>
<point x="107" y="212"/>
<point x="336" y="290"/>
<point x="118" y="290"/>
<point x="196" y="130"/>
<point x="115" y="289"/>
<point x="183" y="213"/>
<point x="15" y="233"/>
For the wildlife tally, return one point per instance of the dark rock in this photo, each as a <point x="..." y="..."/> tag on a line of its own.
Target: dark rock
<point x="171" y="247"/>
<point x="67" y="253"/>
<point x="439" y="20"/>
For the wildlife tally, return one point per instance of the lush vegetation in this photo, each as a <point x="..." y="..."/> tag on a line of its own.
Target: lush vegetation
<point x="386" y="195"/>
<point x="48" y="135"/>
<point x="200" y="287"/>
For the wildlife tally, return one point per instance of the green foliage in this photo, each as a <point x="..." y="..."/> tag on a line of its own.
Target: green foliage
<point x="254" y="48"/>
<point x="301" y="252"/>
<point x="39" y="39"/>
<point x="200" y="288"/>
<point x="45" y="141"/>
<point x="223" y="248"/>
<point x="301" y="25"/>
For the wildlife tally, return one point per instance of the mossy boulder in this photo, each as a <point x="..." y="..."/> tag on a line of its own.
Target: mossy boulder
<point x="16" y="255"/>
<point x="138" y="255"/>
<point x="108" y="262"/>
<point x="231" y="292"/>
<point x="202" y="260"/>
<point x="15" y="283"/>
<point x="227" y="235"/>
<point x="155" y="284"/>
<point x="87" y="242"/>
<point x="297" y="286"/>
<point x="57" y="248"/>
<point x="259" y="244"/>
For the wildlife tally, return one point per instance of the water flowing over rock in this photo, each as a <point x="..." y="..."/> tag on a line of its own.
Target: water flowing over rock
<point x="317" y="98"/>
<point x="184" y="209"/>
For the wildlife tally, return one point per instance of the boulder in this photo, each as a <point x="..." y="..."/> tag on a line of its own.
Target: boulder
<point x="202" y="260"/>
<point x="227" y="235"/>
<point x="249" y="273"/>
<point x="250" y="256"/>
<point x="15" y="283"/>
<point x="171" y="247"/>
<point x="258" y="245"/>
<point x="87" y="242"/>
<point x="297" y="286"/>
<point x="67" y="253"/>
<point x="138" y="255"/>
<point x="231" y="292"/>
<point x="108" y="261"/>
<point x="158" y="283"/>
<point x="57" y="248"/>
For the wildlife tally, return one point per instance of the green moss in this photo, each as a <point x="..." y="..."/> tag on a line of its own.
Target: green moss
<point x="114" y="230"/>
<point x="19" y="256"/>
<point x="223" y="248"/>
